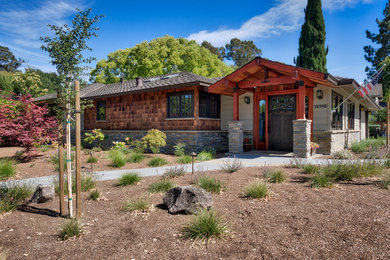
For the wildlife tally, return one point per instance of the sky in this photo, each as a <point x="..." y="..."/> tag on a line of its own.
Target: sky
<point x="273" y="25"/>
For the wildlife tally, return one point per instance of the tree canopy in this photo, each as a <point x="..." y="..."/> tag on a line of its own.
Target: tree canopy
<point x="8" y="62"/>
<point x="241" y="52"/>
<point x="379" y="54"/>
<point x="220" y="52"/>
<point x="159" y="56"/>
<point x="312" y="51"/>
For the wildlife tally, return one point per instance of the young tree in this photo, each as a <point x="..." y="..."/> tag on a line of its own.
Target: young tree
<point x="159" y="56"/>
<point x="8" y="62"/>
<point x="379" y="54"/>
<point x="241" y="52"/>
<point x="312" y="51"/>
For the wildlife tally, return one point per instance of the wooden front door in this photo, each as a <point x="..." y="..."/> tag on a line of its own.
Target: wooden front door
<point x="281" y="111"/>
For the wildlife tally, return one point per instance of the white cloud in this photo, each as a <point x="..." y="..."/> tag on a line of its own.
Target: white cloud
<point x="285" y="16"/>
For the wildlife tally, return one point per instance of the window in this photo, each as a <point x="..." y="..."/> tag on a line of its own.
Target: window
<point x="351" y="115"/>
<point x="337" y="116"/>
<point x="209" y="105"/>
<point x="101" y="111"/>
<point x="180" y="105"/>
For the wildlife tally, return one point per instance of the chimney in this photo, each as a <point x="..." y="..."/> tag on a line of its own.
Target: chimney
<point x="122" y="80"/>
<point x="138" y="81"/>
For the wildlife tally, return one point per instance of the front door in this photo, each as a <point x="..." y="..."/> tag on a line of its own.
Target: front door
<point x="281" y="111"/>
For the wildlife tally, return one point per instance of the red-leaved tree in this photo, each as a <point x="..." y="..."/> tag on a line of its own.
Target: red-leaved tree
<point x="25" y="124"/>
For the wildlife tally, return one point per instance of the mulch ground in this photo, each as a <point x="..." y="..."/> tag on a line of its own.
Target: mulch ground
<point x="349" y="221"/>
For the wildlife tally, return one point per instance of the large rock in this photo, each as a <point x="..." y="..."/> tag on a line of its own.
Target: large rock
<point x="42" y="194"/>
<point x="187" y="199"/>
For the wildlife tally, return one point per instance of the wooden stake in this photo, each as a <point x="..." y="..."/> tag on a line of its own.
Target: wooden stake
<point x="78" y="150"/>
<point x="61" y="161"/>
<point x="69" y="158"/>
<point x="387" y="123"/>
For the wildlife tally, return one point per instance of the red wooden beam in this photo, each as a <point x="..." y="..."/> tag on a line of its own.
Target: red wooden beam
<point x="236" y="98"/>
<point x="301" y="100"/>
<point x="282" y="80"/>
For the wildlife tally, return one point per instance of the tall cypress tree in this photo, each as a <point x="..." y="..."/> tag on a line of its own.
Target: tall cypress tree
<point x="312" y="51"/>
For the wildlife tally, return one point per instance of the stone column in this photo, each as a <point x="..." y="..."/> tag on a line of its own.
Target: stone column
<point x="236" y="137"/>
<point x="301" y="137"/>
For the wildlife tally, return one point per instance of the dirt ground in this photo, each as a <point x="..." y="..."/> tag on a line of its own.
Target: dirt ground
<point x="42" y="166"/>
<point x="349" y="221"/>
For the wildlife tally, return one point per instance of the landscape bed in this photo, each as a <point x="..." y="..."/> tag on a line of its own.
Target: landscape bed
<point x="350" y="220"/>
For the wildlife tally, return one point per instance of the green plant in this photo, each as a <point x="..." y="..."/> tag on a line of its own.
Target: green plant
<point x="343" y="154"/>
<point x="55" y="160"/>
<point x="347" y="171"/>
<point x="138" y="146"/>
<point x="130" y="178"/>
<point x="157" y="161"/>
<point x="119" y="145"/>
<point x="19" y="153"/>
<point x="385" y="182"/>
<point x="184" y="159"/>
<point x="94" y="195"/>
<point x="231" y="166"/>
<point x="11" y="197"/>
<point x="139" y="204"/>
<point x="7" y="168"/>
<point x="95" y="134"/>
<point x="160" y="186"/>
<point x="205" y="156"/>
<point x="3" y="254"/>
<point x="295" y="163"/>
<point x="180" y="149"/>
<point x="117" y="158"/>
<point x="387" y="163"/>
<point x="210" y="184"/>
<point x="92" y="159"/>
<point x="256" y="190"/>
<point x="310" y="168"/>
<point x="320" y="180"/>
<point x="135" y="157"/>
<point x="275" y="176"/>
<point x="173" y="172"/>
<point x="155" y="139"/>
<point x="71" y="228"/>
<point x="206" y="225"/>
<point x="44" y="148"/>
<point x="88" y="182"/>
<point x="96" y="149"/>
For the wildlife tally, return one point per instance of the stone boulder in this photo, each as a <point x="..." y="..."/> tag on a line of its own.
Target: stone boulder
<point x="187" y="199"/>
<point x="42" y="194"/>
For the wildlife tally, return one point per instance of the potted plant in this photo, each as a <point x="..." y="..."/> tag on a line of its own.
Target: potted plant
<point x="247" y="144"/>
<point x="313" y="148"/>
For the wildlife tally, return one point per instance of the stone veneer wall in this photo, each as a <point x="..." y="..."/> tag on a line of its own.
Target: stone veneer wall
<point x="236" y="137"/>
<point x="333" y="141"/>
<point x="196" y="140"/>
<point x="301" y="137"/>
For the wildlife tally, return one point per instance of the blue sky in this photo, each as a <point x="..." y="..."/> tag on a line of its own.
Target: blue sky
<point x="274" y="26"/>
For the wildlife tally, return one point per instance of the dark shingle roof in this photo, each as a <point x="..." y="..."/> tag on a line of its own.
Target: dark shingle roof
<point x="173" y="80"/>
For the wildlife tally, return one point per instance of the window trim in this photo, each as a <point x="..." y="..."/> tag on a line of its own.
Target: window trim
<point x="341" y="112"/>
<point x="180" y="94"/>
<point x="208" y="96"/>
<point x="98" y="105"/>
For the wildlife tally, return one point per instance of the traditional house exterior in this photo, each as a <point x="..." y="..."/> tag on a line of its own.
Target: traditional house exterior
<point x="278" y="106"/>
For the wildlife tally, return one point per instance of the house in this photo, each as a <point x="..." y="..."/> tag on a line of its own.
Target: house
<point x="278" y="106"/>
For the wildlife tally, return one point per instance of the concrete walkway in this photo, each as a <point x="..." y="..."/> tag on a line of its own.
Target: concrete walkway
<point x="249" y="159"/>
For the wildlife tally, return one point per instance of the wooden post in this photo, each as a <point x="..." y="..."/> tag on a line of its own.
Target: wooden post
<point x="69" y="157"/>
<point x="387" y="123"/>
<point x="301" y="100"/>
<point x="78" y="150"/>
<point x="236" y="104"/>
<point x="61" y="159"/>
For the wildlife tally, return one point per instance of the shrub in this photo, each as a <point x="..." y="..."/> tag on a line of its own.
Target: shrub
<point x="344" y="154"/>
<point x="155" y="139"/>
<point x="310" y="168"/>
<point x="95" y="134"/>
<point x="256" y="190"/>
<point x="11" y="197"/>
<point x="174" y="172"/>
<point x="385" y="182"/>
<point x="96" y="149"/>
<point x="206" y="225"/>
<point x="157" y="161"/>
<point x="135" y="157"/>
<point x="130" y="178"/>
<point x="320" y="181"/>
<point x="180" y="149"/>
<point x="387" y="163"/>
<point x="275" y="176"/>
<point x="138" y="146"/>
<point x="71" y="228"/>
<point x="231" y="166"/>
<point x="7" y="168"/>
<point x="341" y="171"/>
<point x="94" y="195"/>
<point x="210" y="184"/>
<point x="117" y="158"/>
<point x="358" y="147"/>
<point x="88" y="182"/>
<point x="119" y="145"/>
<point x="184" y="159"/>
<point x="205" y="156"/>
<point x="92" y="159"/>
<point x="139" y="204"/>
<point x="160" y="186"/>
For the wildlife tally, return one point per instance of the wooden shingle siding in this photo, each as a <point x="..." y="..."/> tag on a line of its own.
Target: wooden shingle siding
<point x="143" y="111"/>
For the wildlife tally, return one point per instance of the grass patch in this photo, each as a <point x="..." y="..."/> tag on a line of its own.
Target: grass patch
<point x="7" y="168"/>
<point x="117" y="158"/>
<point x="129" y="179"/>
<point x="210" y="184"/>
<point x="206" y="225"/>
<point x="88" y="182"/>
<point x="94" y="195"/>
<point x="367" y="144"/>
<point x="347" y="171"/>
<point x="231" y="166"/>
<point x="275" y="176"/>
<point x="310" y="168"/>
<point x="135" y="157"/>
<point x="205" y="156"/>
<point x="295" y="163"/>
<point x="139" y="204"/>
<point x="358" y="147"/>
<point x="92" y="159"/>
<point x="44" y="148"/>
<point x="174" y="172"/>
<point x="256" y="190"/>
<point x="320" y="181"/>
<point x="160" y="186"/>
<point x="157" y="161"/>
<point x="71" y="228"/>
<point x="387" y="164"/>
<point x="12" y="197"/>
<point x="344" y="154"/>
<point x="184" y="159"/>
<point x="385" y="182"/>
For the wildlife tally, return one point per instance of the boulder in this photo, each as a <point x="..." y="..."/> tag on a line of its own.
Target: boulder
<point x="42" y="194"/>
<point x="187" y="199"/>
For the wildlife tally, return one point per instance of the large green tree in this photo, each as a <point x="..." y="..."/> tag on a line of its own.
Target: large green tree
<point x="159" y="56"/>
<point x="312" y="51"/>
<point x="379" y="54"/>
<point x="220" y="52"/>
<point x="8" y="61"/>
<point x="241" y="52"/>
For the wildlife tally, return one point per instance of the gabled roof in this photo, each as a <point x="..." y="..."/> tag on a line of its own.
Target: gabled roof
<point x="168" y="81"/>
